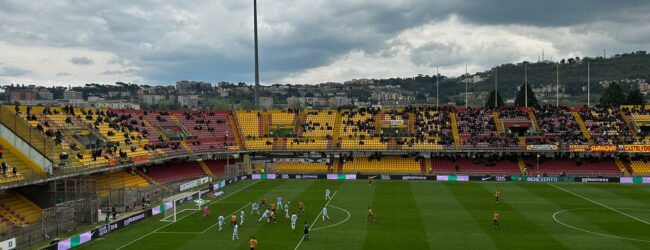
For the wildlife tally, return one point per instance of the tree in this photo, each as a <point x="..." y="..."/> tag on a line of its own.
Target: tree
<point x="612" y="96"/>
<point x="635" y="98"/>
<point x="420" y="97"/>
<point x="520" y="100"/>
<point x="490" y="100"/>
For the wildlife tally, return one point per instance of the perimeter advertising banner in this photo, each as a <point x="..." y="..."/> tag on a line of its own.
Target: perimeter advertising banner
<point x="341" y="176"/>
<point x="636" y="148"/>
<point x="452" y="178"/>
<point x="263" y="176"/>
<point x="578" y="148"/>
<point x="541" y="179"/>
<point x="637" y="180"/>
<point x="610" y="148"/>
<point x="596" y="179"/>
<point x="499" y="178"/>
<point x="543" y="147"/>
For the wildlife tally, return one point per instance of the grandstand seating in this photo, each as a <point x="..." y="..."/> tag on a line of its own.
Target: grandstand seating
<point x="474" y="166"/>
<point x="301" y="167"/>
<point x="10" y="158"/>
<point x="606" y="125"/>
<point x="249" y="123"/>
<point x="17" y="211"/>
<point x="174" y="172"/>
<point x="120" y="179"/>
<point x="387" y="164"/>
<point x="640" y="167"/>
<point x="554" y="166"/>
<point x="558" y="126"/>
<point x="318" y="123"/>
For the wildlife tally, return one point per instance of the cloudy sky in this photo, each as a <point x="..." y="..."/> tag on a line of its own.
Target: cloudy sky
<point x="301" y="41"/>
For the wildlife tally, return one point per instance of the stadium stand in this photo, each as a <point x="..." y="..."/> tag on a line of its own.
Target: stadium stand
<point x="479" y="165"/>
<point x="17" y="211"/>
<point x="606" y="125"/>
<point x="174" y="172"/>
<point x="586" y="166"/>
<point x="383" y="164"/>
<point x="557" y="126"/>
<point x="301" y="167"/>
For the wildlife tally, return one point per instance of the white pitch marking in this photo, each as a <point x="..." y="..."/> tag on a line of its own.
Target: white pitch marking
<point x="341" y="222"/>
<point x="591" y="232"/>
<point x="317" y="216"/>
<point x="152" y="232"/>
<point x="598" y="203"/>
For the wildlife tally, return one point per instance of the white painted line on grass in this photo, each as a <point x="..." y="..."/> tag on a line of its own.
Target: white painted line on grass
<point x="235" y="212"/>
<point x="154" y="231"/>
<point x="339" y="223"/>
<point x="312" y="224"/>
<point x="592" y="232"/>
<point x="178" y="232"/>
<point x="602" y="205"/>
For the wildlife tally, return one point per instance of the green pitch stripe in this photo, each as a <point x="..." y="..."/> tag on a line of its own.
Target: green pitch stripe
<point x="398" y="224"/>
<point x="516" y="231"/>
<point x="596" y="222"/>
<point x="628" y="195"/>
<point x="447" y="224"/>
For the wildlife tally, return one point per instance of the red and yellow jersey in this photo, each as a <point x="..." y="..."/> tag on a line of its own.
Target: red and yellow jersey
<point x="252" y="243"/>
<point x="301" y="205"/>
<point x="496" y="216"/>
<point x="272" y="206"/>
<point x="233" y="218"/>
<point x="370" y="211"/>
<point x="497" y="194"/>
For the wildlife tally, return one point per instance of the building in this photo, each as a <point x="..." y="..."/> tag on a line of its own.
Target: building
<point x="22" y="95"/>
<point x="72" y="95"/>
<point x="266" y="102"/>
<point x="190" y="101"/>
<point x="116" y="104"/>
<point x="152" y="99"/>
<point x="45" y="95"/>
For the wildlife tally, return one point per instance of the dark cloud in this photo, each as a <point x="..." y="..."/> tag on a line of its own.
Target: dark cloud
<point x="212" y="40"/>
<point x="13" y="71"/>
<point x="81" y="61"/>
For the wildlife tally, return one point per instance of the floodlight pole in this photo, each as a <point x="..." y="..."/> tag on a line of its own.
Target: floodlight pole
<point x="496" y="86"/>
<point x="526" y="84"/>
<point x="437" y="88"/>
<point x="257" y="67"/>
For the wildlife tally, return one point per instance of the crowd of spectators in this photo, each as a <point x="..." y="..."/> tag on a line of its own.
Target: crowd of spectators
<point x="557" y="126"/>
<point x="606" y="125"/>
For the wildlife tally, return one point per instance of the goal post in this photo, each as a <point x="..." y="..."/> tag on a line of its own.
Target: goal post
<point x="179" y="203"/>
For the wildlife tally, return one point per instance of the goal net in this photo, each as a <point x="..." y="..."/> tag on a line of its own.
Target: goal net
<point x="186" y="202"/>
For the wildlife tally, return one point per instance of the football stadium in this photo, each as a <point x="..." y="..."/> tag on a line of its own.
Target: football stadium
<point x="349" y="140"/>
<point x="362" y="178"/>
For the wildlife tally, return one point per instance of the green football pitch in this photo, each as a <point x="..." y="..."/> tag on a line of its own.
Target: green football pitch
<point x="412" y="215"/>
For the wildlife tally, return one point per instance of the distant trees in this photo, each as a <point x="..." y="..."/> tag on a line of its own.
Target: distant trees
<point x="635" y="97"/>
<point x="613" y="95"/>
<point x="490" y="100"/>
<point x="521" y="99"/>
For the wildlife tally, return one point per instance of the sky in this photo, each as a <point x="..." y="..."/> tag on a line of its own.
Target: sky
<point x="73" y="42"/>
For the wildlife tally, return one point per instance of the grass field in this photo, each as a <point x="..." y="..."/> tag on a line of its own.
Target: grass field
<point x="414" y="215"/>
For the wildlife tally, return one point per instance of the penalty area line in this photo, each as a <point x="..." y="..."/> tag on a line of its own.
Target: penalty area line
<point x="154" y="231"/>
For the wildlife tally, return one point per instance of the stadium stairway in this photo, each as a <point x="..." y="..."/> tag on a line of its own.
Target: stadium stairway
<point x="522" y="166"/>
<point x="151" y="126"/>
<point x="621" y="166"/>
<point x="522" y="142"/>
<point x="234" y="125"/>
<point x="629" y="123"/>
<point x="454" y="130"/>
<point x="337" y="127"/>
<point x="180" y="125"/>
<point x="205" y="168"/>
<point x="533" y="119"/>
<point x="583" y="127"/>
<point x="423" y="166"/>
<point x="186" y="147"/>
<point x="500" y="129"/>
<point x="412" y="123"/>
<point x="378" y="118"/>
